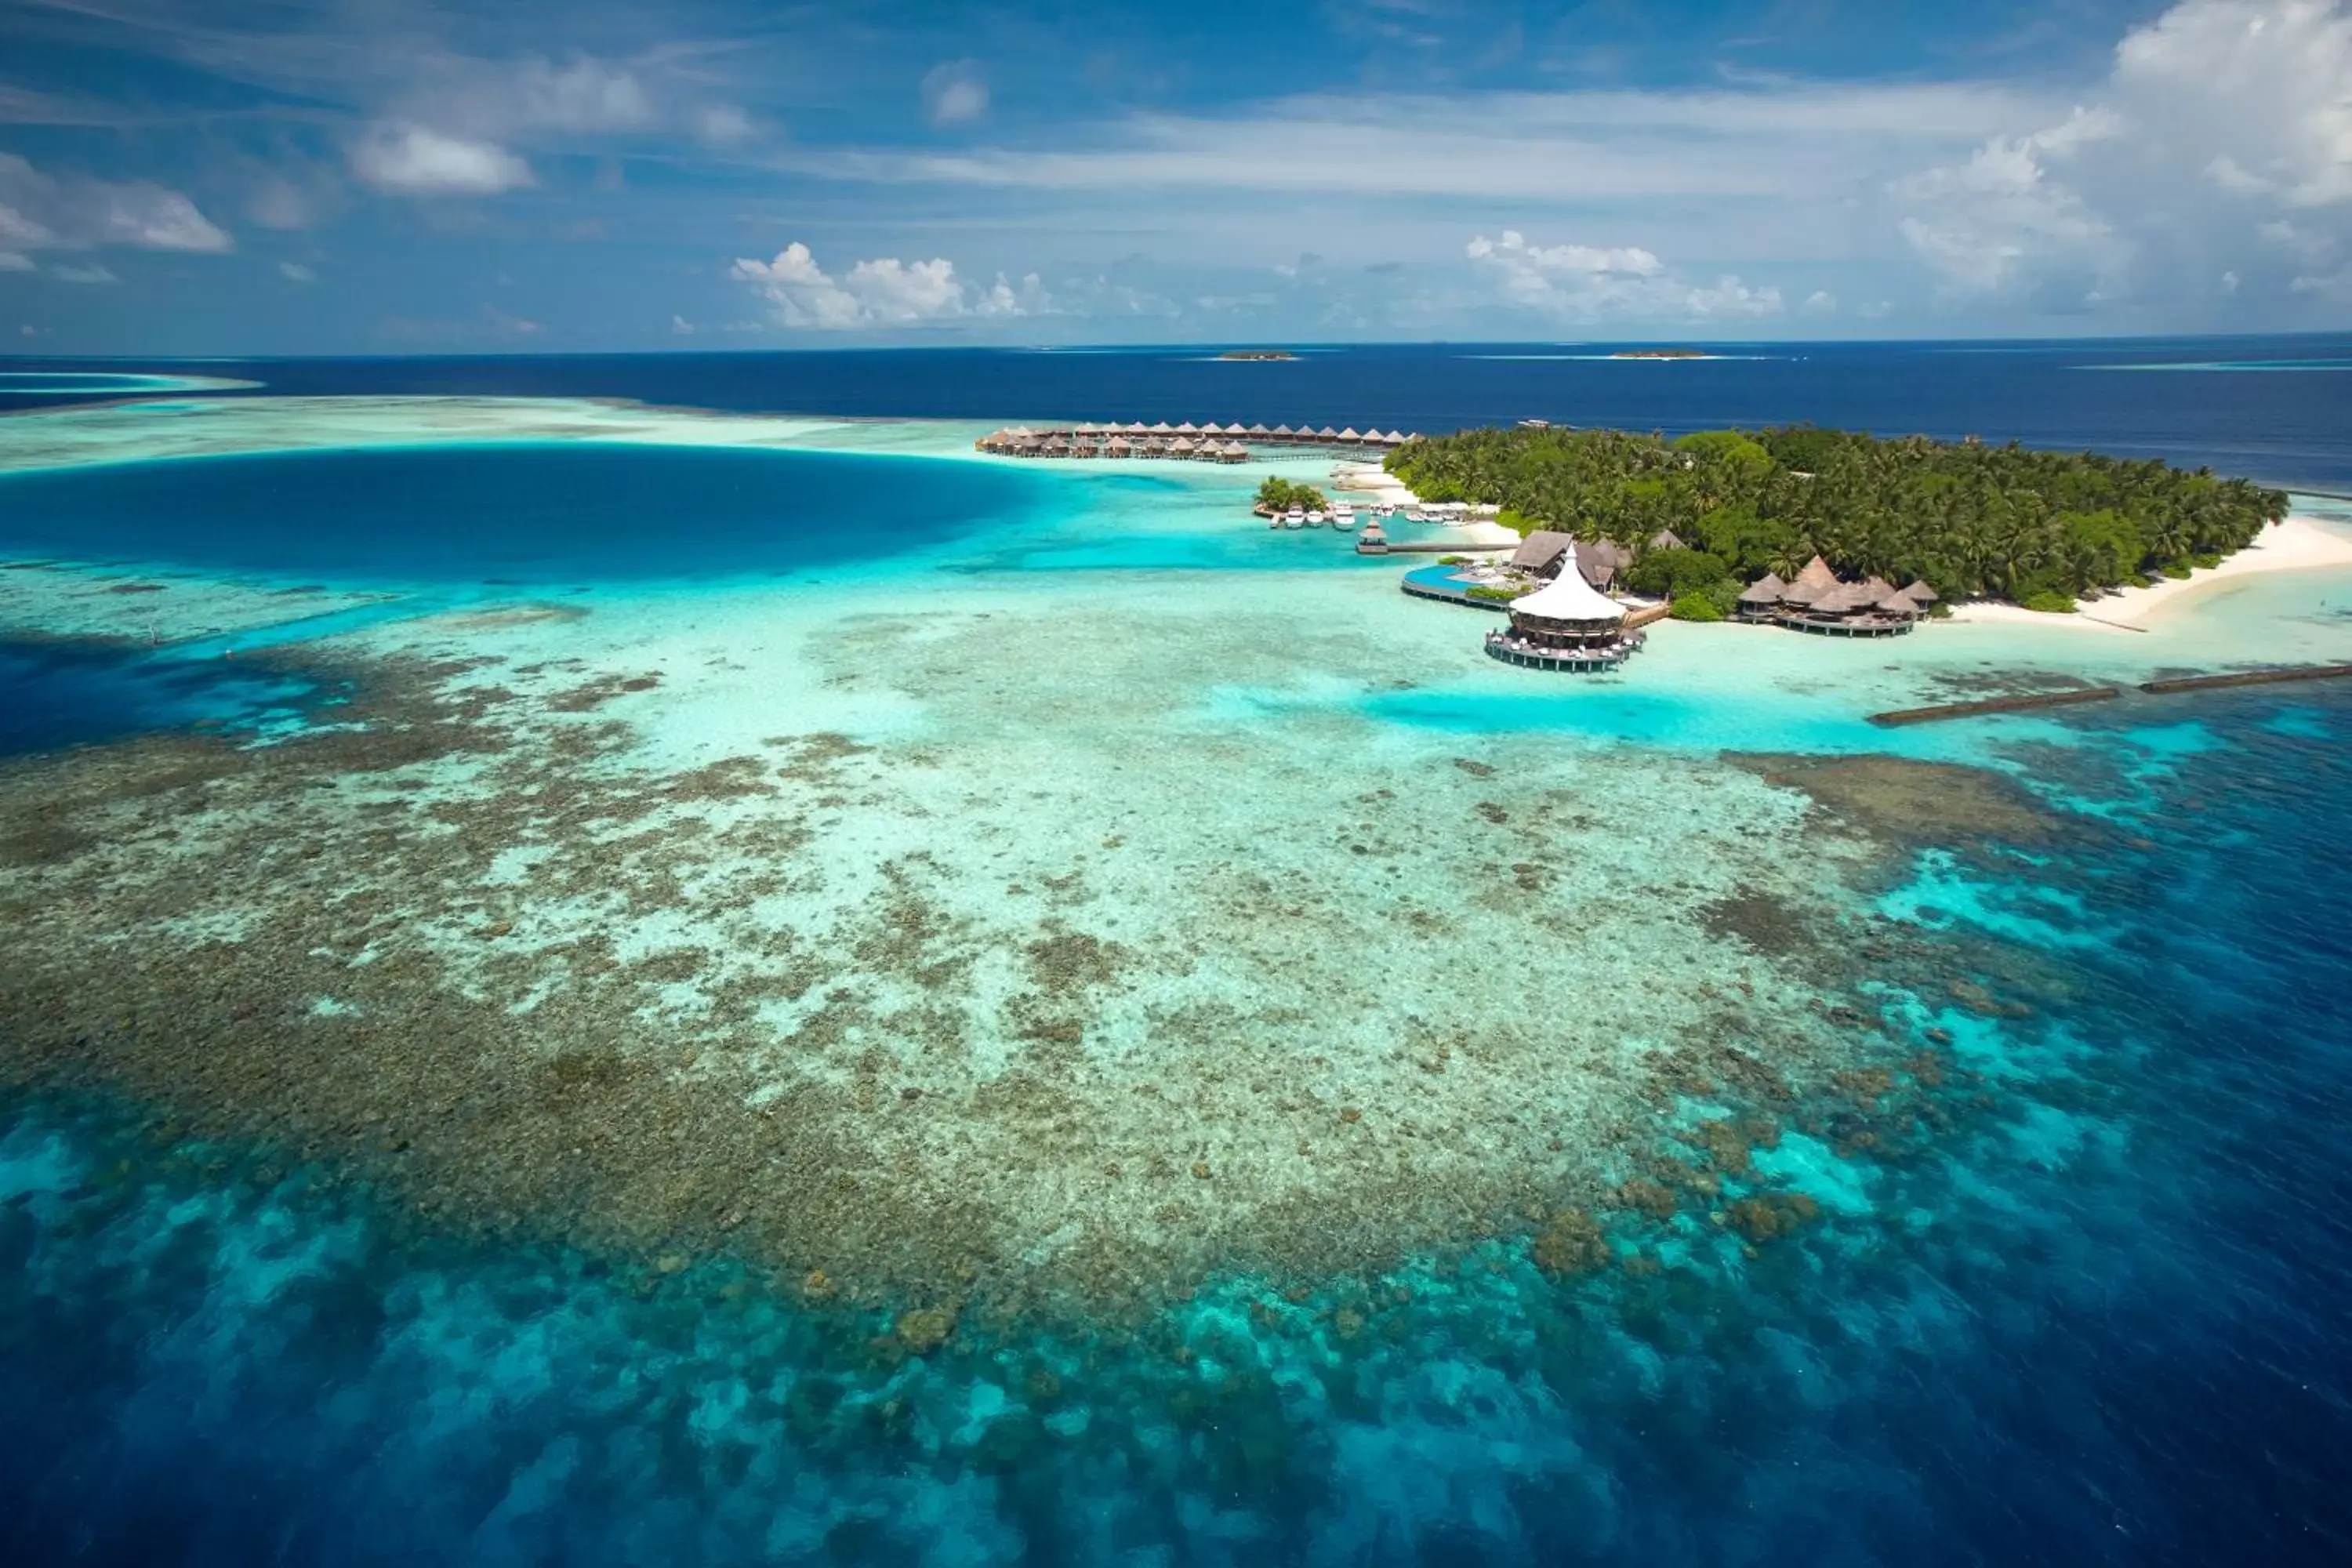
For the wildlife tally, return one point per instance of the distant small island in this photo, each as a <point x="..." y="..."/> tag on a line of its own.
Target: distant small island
<point x="1660" y="354"/>
<point x="1257" y="354"/>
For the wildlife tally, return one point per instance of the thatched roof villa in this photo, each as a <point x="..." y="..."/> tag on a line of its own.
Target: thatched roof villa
<point x="1818" y="600"/>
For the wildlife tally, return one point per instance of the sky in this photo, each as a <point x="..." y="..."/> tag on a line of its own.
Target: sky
<point x="374" y="176"/>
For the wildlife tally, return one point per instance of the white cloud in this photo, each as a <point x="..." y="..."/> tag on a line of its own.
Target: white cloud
<point x="42" y="211"/>
<point x="1751" y="143"/>
<point x="2333" y="286"/>
<point x="17" y="229"/>
<point x="295" y="272"/>
<point x="418" y="160"/>
<point x="1586" y="283"/>
<point x="2259" y="86"/>
<point x="722" y="125"/>
<point x="278" y="203"/>
<point x="881" y="292"/>
<point x="954" y="93"/>
<point x="891" y="290"/>
<point x="584" y="95"/>
<point x="1729" y="296"/>
<point x="802" y="294"/>
<point x="1980" y="224"/>
<point x="681" y="327"/>
<point x="1821" y="302"/>
<point x="2306" y="245"/>
<point x="2219" y="121"/>
<point x="92" y="272"/>
<point x="154" y="219"/>
<point x="1026" y="298"/>
<point x="13" y="261"/>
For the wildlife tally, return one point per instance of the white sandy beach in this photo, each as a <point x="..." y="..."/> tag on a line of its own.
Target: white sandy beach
<point x="1372" y="480"/>
<point x="1386" y="489"/>
<point x="2295" y="544"/>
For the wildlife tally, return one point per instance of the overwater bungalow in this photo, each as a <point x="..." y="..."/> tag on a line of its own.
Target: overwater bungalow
<point x="1566" y="625"/>
<point x="1819" y="601"/>
<point x="1809" y="585"/>
<point x="1373" y="541"/>
<point x="1118" y="447"/>
<point x="1211" y="439"/>
<point x="1761" y="598"/>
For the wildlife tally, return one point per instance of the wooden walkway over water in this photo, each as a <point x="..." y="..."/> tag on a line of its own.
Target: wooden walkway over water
<point x="1206" y="442"/>
<point x="1429" y="547"/>
<point x="2165" y="688"/>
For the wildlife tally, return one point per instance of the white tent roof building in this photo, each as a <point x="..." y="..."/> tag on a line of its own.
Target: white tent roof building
<point x="1569" y="598"/>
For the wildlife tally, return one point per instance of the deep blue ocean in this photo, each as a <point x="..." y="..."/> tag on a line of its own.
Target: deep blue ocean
<point x="2095" y="1307"/>
<point x="2275" y="409"/>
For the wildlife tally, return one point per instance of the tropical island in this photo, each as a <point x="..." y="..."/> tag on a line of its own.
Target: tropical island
<point x="1278" y="495"/>
<point x="1660" y="354"/>
<point x="1704" y="516"/>
<point x="1257" y="354"/>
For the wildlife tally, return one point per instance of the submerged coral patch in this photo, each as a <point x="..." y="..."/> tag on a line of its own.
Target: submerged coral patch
<point x="1904" y="801"/>
<point x="859" y="1009"/>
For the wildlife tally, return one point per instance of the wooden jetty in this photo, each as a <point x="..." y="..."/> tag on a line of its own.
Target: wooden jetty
<point x="2248" y="677"/>
<point x="1206" y="442"/>
<point x="1636" y="619"/>
<point x="1902" y="716"/>
<point x="2167" y="687"/>
<point x="1425" y="547"/>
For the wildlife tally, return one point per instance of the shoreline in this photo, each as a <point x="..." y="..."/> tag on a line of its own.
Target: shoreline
<point x="2300" y="542"/>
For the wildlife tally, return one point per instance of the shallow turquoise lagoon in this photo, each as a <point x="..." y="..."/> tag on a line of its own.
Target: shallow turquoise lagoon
<point x="62" y="382"/>
<point x="529" y="514"/>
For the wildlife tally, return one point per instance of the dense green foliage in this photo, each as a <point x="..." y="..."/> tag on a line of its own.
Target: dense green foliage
<point x="1278" y="494"/>
<point x="1971" y="519"/>
<point x="1699" y="581"/>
